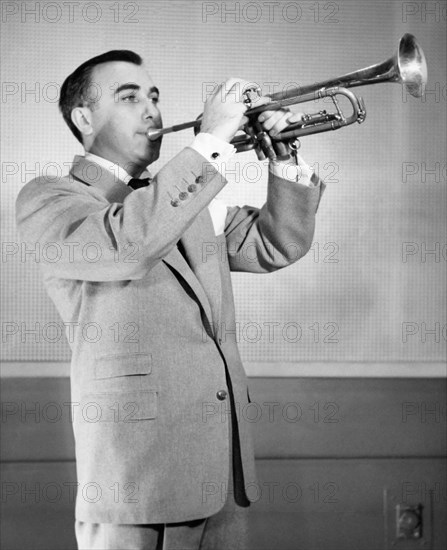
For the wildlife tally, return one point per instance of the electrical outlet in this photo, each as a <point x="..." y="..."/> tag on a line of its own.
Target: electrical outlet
<point x="409" y="521"/>
<point x="407" y="525"/>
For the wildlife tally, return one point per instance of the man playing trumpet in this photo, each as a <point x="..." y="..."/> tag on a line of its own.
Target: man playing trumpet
<point x="165" y="470"/>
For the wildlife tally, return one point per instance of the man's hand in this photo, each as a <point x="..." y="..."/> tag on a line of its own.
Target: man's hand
<point x="275" y="122"/>
<point x="224" y="111"/>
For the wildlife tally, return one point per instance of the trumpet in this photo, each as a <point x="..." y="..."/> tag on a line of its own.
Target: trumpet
<point x="407" y="66"/>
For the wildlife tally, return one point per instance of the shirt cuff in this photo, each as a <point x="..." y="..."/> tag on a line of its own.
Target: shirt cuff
<point x="300" y="173"/>
<point x="212" y="148"/>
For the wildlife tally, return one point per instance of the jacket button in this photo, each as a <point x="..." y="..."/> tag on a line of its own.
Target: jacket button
<point x="183" y="196"/>
<point x="221" y="395"/>
<point x="200" y="180"/>
<point x="175" y="202"/>
<point x="192" y="187"/>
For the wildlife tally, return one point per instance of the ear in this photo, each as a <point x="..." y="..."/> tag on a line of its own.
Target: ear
<point x="82" y="119"/>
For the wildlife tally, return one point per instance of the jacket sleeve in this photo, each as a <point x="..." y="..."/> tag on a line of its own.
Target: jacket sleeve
<point x="78" y="234"/>
<point x="276" y="235"/>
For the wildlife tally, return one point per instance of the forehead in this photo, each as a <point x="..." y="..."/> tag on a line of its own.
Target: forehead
<point x="112" y="74"/>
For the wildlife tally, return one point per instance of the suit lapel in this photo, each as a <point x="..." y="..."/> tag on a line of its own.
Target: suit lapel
<point x="199" y="265"/>
<point x="202" y="253"/>
<point x="199" y="269"/>
<point x="90" y="173"/>
<point x="176" y="261"/>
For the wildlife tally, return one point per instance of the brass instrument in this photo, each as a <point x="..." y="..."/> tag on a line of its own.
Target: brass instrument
<point x="407" y="66"/>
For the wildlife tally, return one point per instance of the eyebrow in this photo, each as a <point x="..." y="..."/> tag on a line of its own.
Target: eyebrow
<point x="131" y="86"/>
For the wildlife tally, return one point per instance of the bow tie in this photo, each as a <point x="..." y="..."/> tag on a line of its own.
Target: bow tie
<point x="136" y="183"/>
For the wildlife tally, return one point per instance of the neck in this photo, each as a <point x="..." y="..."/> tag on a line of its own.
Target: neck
<point x="134" y="170"/>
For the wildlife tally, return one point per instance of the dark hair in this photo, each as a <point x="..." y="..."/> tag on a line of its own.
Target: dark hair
<point x="75" y="89"/>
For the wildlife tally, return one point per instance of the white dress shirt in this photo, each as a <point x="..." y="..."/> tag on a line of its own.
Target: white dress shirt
<point x="218" y="152"/>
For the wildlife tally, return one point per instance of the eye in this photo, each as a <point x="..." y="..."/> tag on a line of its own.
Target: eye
<point x="155" y="99"/>
<point x="130" y="98"/>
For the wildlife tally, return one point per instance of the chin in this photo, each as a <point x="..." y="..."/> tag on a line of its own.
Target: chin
<point x="153" y="157"/>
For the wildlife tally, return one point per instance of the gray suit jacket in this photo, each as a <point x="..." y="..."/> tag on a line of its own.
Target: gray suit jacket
<point x="150" y="327"/>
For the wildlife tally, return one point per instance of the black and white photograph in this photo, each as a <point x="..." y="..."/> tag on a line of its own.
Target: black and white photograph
<point x="223" y="275"/>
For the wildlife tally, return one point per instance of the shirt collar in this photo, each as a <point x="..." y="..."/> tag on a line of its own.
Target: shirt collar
<point x="112" y="167"/>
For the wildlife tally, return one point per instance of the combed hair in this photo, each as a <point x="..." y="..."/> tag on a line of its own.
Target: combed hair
<point x="76" y="92"/>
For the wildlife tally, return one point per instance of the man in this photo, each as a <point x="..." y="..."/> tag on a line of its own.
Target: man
<point x="141" y="274"/>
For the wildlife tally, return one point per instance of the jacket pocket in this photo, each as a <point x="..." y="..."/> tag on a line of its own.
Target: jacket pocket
<point x="129" y="364"/>
<point x="122" y="407"/>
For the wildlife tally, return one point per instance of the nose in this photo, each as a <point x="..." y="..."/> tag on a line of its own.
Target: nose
<point x="150" y="110"/>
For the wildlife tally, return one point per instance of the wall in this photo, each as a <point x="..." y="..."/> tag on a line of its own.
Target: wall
<point x="372" y="287"/>
<point x="334" y="459"/>
<point x="359" y="322"/>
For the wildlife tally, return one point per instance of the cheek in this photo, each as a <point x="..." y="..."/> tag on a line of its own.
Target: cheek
<point x="114" y="130"/>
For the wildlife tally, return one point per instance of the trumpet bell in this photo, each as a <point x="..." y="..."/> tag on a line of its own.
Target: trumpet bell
<point x="411" y="65"/>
